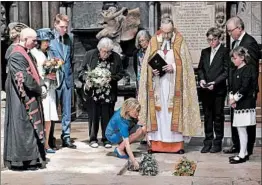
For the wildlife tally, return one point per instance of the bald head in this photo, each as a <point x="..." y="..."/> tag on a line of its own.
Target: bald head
<point x="27" y="33"/>
<point x="28" y="38"/>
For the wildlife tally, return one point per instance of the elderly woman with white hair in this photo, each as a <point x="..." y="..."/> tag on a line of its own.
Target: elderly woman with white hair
<point x="102" y="109"/>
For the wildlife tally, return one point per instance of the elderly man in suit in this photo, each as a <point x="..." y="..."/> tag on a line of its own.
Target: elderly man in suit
<point x="236" y="29"/>
<point x="213" y="73"/>
<point x="61" y="47"/>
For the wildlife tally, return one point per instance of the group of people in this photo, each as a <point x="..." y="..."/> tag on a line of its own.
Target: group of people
<point x="234" y="73"/>
<point x="39" y="73"/>
<point x="166" y="110"/>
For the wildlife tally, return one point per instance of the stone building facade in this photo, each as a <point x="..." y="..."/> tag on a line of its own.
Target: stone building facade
<point x="191" y="18"/>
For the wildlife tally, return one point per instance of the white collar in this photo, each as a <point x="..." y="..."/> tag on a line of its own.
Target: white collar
<point x="241" y="36"/>
<point x="216" y="48"/>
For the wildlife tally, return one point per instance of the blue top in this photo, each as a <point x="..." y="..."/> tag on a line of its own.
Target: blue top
<point x="117" y="128"/>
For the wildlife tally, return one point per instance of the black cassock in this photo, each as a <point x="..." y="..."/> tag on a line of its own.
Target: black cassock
<point x="23" y="129"/>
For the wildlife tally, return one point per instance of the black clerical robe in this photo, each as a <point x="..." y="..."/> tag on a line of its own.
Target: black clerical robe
<point x="23" y="129"/>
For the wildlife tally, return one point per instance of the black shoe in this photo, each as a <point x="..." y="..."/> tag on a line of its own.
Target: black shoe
<point x="231" y="157"/>
<point x="143" y="142"/>
<point x="182" y="151"/>
<point x="206" y="149"/>
<point x="237" y="159"/>
<point x="68" y="144"/>
<point x="231" y="150"/>
<point x="215" y="149"/>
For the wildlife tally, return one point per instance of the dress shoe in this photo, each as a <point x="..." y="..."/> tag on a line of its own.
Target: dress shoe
<point x="107" y="144"/>
<point x="231" y="150"/>
<point x="68" y="144"/>
<point x="181" y="151"/>
<point x="231" y="157"/>
<point x="143" y="142"/>
<point x="206" y="149"/>
<point x="50" y="151"/>
<point x="215" y="149"/>
<point x="94" y="144"/>
<point x="237" y="159"/>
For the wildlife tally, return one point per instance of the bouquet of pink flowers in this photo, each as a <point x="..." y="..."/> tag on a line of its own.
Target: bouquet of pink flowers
<point x="51" y="66"/>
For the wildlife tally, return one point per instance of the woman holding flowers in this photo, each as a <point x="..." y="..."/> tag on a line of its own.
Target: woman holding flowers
<point x="47" y="67"/>
<point x="100" y="72"/>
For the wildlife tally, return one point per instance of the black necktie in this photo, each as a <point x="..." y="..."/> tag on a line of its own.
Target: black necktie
<point x="233" y="44"/>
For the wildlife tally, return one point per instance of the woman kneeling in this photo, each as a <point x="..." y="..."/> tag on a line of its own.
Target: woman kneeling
<point x="124" y="130"/>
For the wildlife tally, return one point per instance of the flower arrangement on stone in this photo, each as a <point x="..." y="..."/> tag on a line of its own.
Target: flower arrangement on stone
<point x="98" y="82"/>
<point x="51" y="66"/>
<point x="185" y="167"/>
<point x="148" y="165"/>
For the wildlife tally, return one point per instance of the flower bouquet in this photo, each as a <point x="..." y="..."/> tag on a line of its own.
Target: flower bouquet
<point x="185" y="167"/>
<point x="97" y="82"/>
<point x="148" y="165"/>
<point x="51" y="66"/>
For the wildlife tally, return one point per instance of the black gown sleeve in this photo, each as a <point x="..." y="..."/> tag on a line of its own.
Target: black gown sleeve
<point x="18" y="70"/>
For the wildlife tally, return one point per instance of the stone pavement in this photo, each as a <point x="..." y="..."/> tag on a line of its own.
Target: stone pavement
<point x="88" y="166"/>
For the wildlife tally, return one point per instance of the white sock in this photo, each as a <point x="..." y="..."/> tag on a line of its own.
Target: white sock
<point x="242" y="132"/>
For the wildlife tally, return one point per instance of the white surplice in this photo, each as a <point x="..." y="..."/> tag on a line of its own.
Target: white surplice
<point x="164" y="117"/>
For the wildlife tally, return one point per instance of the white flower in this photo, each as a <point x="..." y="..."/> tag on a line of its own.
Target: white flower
<point x="107" y="100"/>
<point x="95" y="98"/>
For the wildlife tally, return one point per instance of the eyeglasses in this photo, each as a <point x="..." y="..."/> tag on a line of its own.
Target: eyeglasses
<point x="142" y="41"/>
<point x="230" y="31"/>
<point x="106" y="52"/>
<point x="212" y="40"/>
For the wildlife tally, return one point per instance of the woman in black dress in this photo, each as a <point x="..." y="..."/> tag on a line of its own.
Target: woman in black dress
<point x="242" y="99"/>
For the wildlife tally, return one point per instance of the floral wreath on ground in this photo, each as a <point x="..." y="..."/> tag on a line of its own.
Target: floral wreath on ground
<point x="97" y="82"/>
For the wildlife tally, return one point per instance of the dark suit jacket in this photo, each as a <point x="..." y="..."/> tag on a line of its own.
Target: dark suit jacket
<point x="65" y="52"/>
<point x="251" y="45"/>
<point x="91" y="59"/>
<point x="217" y="71"/>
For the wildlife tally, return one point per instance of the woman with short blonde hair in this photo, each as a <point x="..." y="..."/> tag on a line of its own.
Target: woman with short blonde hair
<point x="123" y="129"/>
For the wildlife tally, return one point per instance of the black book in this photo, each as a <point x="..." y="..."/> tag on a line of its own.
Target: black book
<point x="157" y="62"/>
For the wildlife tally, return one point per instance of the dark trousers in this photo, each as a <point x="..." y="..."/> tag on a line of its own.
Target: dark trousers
<point x="251" y="133"/>
<point x="213" y="106"/>
<point x="96" y="112"/>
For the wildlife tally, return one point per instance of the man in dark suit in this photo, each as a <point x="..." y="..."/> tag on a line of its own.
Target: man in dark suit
<point x="236" y="29"/>
<point x="212" y="73"/>
<point x="61" y="47"/>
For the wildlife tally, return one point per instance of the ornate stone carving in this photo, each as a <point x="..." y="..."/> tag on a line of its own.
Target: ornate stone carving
<point x="118" y="23"/>
<point x="220" y="19"/>
<point x="3" y="23"/>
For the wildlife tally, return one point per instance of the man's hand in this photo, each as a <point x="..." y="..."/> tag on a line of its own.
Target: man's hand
<point x="168" y="68"/>
<point x="211" y="87"/>
<point x="156" y="72"/>
<point x="202" y="83"/>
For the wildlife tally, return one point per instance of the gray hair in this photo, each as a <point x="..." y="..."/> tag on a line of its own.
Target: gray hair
<point x="105" y="43"/>
<point x="238" y="22"/>
<point x="215" y="32"/>
<point x="166" y="20"/>
<point x="142" y="33"/>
